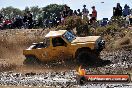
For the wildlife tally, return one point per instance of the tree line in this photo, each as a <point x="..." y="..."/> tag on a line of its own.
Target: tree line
<point x="37" y="12"/>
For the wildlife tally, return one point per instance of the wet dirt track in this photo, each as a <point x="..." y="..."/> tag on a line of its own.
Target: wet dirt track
<point x="14" y="41"/>
<point x="121" y="64"/>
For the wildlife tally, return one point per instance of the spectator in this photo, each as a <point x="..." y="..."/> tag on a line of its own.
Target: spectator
<point x="58" y="21"/>
<point x="126" y="10"/>
<point x="79" y="13"/>
<point x="25" y="22"/>
<point x="118" y="10"/>
<point x="90" y="19"/>
<point x="130" y="19"/>
<point x="65" y="11"/>
<point x="85" y="11"/>
<point x="130" y="11"/>
<point x="62" y="20"/>
<point x="114" y="11"/>
<point x="7" y="23"/>
<point x="1" y="17"/>
<point x="70" y="12"/>
<point x="18" y="22"/>
<point x="50" y="22"/>
<point x="46" y="22"/>
<point x="94" y="15"/>
<point x="30" y="20"/>
<point x="75" y="12"/>
<point x="104" y="22"/>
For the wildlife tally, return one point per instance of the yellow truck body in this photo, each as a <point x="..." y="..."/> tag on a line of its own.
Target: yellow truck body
<point x="61" y="44"/>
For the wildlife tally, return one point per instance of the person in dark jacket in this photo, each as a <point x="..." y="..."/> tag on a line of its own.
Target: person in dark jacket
<point x="79" y="13"/>
<point x="118" y="10"/>
<point x="30" y="20"/>
<point x="126" y="10"/>
<point x="25" y="21"/>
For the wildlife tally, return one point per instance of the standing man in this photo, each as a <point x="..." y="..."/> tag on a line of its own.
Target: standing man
<point x="118" y="10"/>
<point x="79" y="13"/>
<point x="25" y="22"/>
<point x="65" y="11"/>
<point x="85" y="11"/>
<point x="126" y="10"/>
<point x="94" y="15"/>
<point x="30" y="20"/>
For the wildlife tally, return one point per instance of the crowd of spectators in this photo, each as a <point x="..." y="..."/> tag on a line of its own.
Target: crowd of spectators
<point x="26" y="21"/>
<point x="84" y="13"/>
<point x="119" y="12"/>
<point x="126" y="12"/>
<point x="17" y="22"/>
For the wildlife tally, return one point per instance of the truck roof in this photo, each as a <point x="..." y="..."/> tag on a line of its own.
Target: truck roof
<point x="55" y="33"/>
<point x="85" y="39"/>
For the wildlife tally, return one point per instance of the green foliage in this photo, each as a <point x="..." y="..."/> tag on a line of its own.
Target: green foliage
<point x="52" y="10"/>
<point x="62" y="27"/>
<point x="70" y="22"/>
<point x="77" y="22"/>
<point x="120" y="21"/>
<point x="106" y="30"/>
<point x="35" y="11"/>
<point x="10" y="12"/>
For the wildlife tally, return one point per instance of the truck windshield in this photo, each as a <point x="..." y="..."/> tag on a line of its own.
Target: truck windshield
<point x="69" y="36"/>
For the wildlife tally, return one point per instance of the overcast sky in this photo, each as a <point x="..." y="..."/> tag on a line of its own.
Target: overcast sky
<point x="103" y="9"/>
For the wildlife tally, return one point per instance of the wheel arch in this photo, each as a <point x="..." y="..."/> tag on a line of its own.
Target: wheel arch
<point x="81" y="49"/>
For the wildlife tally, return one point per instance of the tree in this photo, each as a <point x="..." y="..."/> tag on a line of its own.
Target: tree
<point x="35" y="11"/>
<point x="10" y="12"/>
<point x="52" y="10"/>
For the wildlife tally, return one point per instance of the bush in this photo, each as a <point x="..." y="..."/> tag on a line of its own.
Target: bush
<point x="77" y="22"/>
<point x="70" y="22"/>
<point x="120" y="21"/>
<point x="62" y="27"/>
<point x="108" y="30"/>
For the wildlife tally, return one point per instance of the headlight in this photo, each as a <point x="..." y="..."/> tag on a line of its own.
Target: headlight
<point x="101" y="43"/>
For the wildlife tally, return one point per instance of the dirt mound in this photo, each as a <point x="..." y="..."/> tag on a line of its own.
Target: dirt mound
<point x="126" y="41"/>
<point x="4" y="66"/>
<point x="120" y="40"/>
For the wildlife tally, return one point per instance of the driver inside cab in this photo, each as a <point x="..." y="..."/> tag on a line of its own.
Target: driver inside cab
<point x="58" y="41"/>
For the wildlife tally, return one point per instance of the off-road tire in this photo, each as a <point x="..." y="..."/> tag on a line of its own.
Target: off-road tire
<point x="31" y="60"/>
<point x="86" y="57"/>
<point x="81" y="80"/>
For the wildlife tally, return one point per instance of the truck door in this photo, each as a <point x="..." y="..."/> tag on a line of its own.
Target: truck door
<point x="60" y="49"/>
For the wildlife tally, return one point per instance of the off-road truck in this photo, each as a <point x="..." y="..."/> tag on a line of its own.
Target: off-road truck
<point x="61" y="44"/>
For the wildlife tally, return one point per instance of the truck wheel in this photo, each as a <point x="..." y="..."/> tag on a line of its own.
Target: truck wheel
<point x="82" y="80"/>
<point x="31" y="60"/>
<point x="86" y="57"/>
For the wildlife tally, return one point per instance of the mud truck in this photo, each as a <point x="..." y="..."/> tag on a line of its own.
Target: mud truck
<point x="62" y="43"/>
